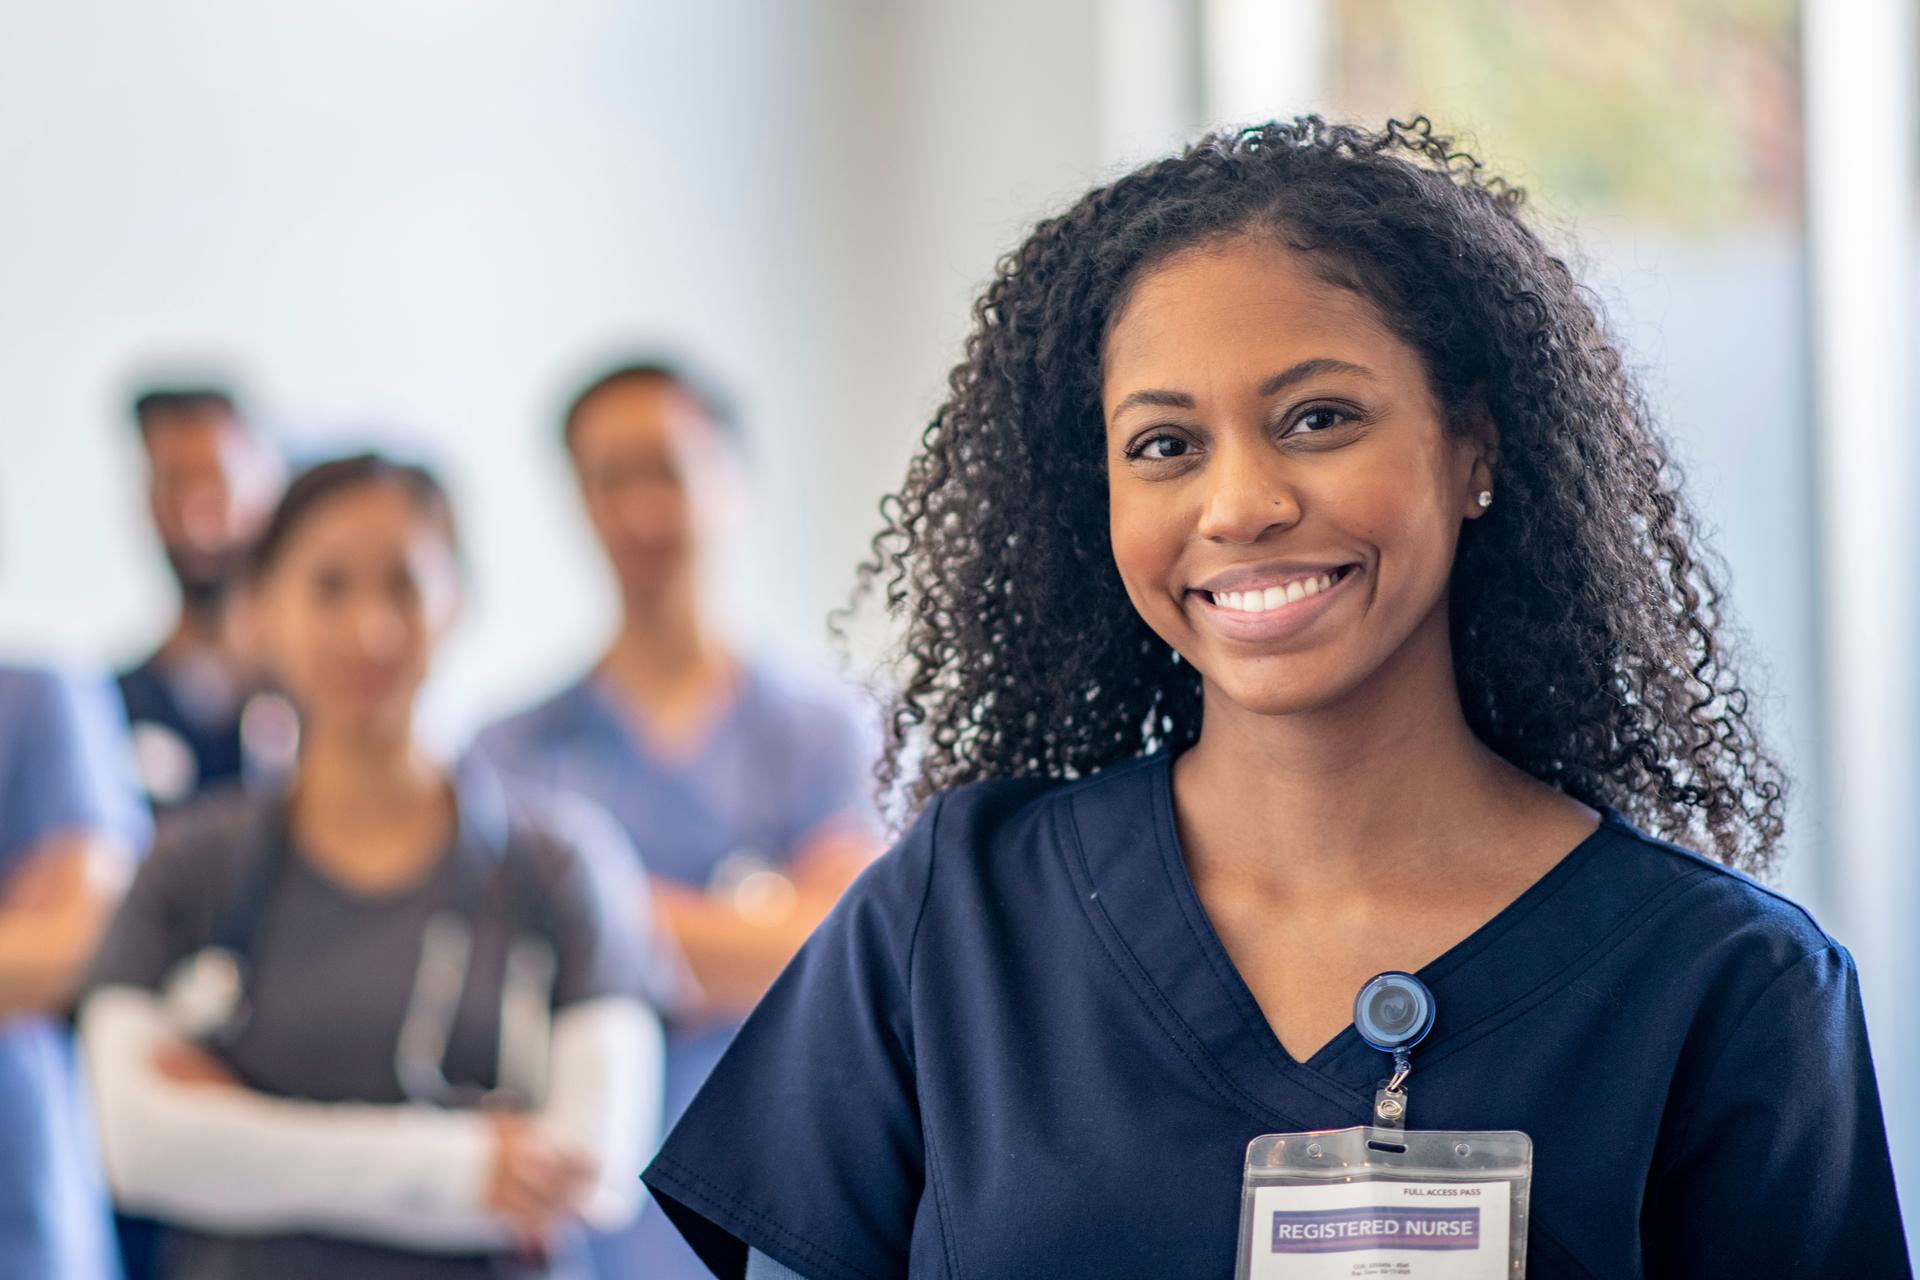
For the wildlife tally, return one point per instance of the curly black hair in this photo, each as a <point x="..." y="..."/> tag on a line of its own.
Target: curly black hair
<point x="1588" y="638"/>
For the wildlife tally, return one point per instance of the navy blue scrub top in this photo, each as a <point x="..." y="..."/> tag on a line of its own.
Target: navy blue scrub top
<point x="214" y="741"/>
<point x="1017" y="1048"/>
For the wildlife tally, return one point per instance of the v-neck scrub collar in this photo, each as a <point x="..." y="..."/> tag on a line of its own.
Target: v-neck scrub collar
<point x="1129" y="858"/>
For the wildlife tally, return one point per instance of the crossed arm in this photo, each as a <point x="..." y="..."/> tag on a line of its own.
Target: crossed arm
<point x="52" y="910"/>
<point x="734" y="949"/>
<point x="186" y="1143"/>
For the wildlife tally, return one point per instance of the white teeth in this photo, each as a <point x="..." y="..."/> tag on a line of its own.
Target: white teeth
<point x="1271" y="598"/>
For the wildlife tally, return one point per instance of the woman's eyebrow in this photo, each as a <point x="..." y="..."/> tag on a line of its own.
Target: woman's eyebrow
<point x="1164" y="399"/>
<point x="1312" y="368"/>
<point x="1272" y="386"/>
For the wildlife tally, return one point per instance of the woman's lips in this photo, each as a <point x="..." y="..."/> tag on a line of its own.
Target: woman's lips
<point x="1277" y="623"/>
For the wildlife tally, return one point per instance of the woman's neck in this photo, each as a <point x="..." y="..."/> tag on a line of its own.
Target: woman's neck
<point x="1371" y="790"/>
<point x="374" y="814"/>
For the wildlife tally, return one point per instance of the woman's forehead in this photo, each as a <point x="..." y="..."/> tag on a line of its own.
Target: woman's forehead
<point x="1241" y="310"/>
<point x="370" y="516"/>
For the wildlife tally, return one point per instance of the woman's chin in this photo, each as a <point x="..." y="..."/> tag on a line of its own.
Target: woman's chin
<point x="370" y="722"/>
<point x="1257" y="689"/>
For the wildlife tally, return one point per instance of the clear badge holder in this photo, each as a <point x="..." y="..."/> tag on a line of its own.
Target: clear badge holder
<point x="1372" y="1201"/>
<point x="1382" y="1200"/>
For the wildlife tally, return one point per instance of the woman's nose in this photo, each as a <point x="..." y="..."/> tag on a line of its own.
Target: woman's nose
<point x="380" y="629"/>
<point x="1249" y="492"/>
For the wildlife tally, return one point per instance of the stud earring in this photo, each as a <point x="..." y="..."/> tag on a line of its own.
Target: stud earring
<point x="1485" y="499"/>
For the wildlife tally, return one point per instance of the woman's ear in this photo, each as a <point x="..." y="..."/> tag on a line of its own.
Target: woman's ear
<point x="444" y="598"/>
<point x="1482" y="437"/>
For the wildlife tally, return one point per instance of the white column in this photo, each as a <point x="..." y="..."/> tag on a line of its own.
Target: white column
<point x="1264" y="59"/>
<point x="1150" y="78"/>
<point x="1861" y="192"/>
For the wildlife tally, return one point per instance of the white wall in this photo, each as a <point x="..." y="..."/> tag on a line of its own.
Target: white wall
<point x="424" y="216"/>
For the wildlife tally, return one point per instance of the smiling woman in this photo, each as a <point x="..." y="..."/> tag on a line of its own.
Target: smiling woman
<point x="1584" y="619"/>
<point x="1299" y="595"/>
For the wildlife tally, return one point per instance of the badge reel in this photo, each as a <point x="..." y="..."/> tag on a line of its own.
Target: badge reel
<point x="1381" y="1199"/>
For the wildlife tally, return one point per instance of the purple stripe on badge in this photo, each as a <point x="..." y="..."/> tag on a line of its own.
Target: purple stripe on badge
<point x="1335" y="1230"/>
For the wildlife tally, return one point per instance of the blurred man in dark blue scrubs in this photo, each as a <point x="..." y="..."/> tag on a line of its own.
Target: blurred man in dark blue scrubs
<point x="211" y="482"/>
<point x="197" y="715"/>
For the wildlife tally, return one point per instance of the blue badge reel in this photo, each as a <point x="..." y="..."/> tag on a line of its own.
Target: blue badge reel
<point x="1381" y="1199"/>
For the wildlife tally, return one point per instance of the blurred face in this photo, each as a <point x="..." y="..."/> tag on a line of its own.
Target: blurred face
<point x="652" y="473"/>
<point x="352" y="608"/>
<point x="1285" y="498"/>
<point x="210" y="488"/>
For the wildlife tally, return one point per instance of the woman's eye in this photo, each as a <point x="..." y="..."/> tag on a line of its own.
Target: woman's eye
<point x="1161" y="448"/>
<point x="329" y="586"/>
<point x="1323" y="418"/>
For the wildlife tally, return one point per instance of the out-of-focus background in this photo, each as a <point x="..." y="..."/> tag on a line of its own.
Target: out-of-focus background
<point x="423" y="224"/>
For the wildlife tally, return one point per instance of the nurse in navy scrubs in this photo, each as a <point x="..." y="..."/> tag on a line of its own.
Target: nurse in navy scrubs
<point x="1295" y="589"/>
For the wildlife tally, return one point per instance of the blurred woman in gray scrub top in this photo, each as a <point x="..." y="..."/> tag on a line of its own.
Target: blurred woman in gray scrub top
<point x="381" y="1024"/>
<point x="743" y="785"/>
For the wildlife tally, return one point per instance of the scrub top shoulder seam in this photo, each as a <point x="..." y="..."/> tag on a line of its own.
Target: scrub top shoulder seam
<point x="1723" y="871"/>
<point x="1158" y="1007"/>
<point x="935" y="811"/>
<point x="934" y="1181"/>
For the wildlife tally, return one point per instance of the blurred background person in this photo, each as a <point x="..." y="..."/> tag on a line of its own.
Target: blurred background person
<point x="383" y="1022"/>
<point x="210" y="483"/>
<point x="743" y="786"/>
<point x="70" y="821"/>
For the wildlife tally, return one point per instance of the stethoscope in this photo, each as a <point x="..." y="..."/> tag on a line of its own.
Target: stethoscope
<point x="1393" y="1013"/>
<point x="207" y="993"/>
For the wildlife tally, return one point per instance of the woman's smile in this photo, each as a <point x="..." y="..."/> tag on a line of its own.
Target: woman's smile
<point x="1255" y="605"/>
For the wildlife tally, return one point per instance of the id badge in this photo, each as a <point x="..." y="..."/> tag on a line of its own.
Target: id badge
<point x="1385" y="1202"/>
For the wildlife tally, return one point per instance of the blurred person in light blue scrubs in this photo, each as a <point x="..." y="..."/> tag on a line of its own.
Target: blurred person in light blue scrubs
<point x="71" y="822"/>
<point x="743" y="786"/>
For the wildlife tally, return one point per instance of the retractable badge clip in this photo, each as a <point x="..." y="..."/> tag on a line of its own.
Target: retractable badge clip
<point x="1380" y="1199"/>
<point x="1393" y="1013"/>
